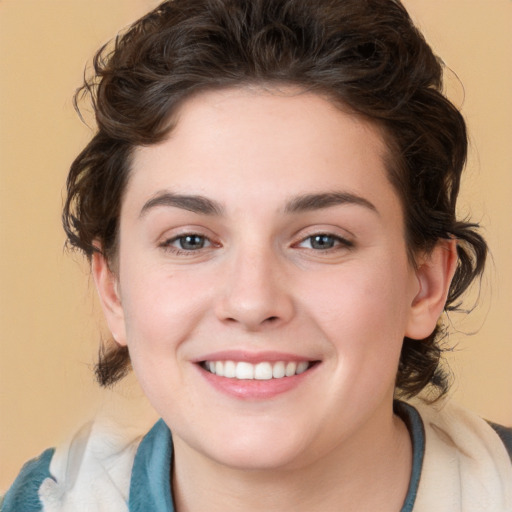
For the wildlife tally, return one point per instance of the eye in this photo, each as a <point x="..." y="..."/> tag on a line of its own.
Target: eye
<point x="324" y="242"/>
<point x="191" y="242"/>
<point x="187" y="242"/>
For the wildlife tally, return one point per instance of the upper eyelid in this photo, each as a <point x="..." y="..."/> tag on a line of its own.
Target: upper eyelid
<point x="343" y="240"/>
<point x="173" y="233"/>
<point x="299" y="236"/>
<point x="314" y="230"/>
<point x="170" y="239"/>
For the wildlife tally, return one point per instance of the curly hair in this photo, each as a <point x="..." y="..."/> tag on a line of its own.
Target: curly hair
<point x="366" y="55"/>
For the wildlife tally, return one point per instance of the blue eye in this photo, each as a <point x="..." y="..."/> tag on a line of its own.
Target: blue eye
<point x="324" y="242"/>
<point x="189" y="242"/>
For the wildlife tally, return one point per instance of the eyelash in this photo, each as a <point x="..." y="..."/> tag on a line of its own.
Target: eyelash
<point x="168" y="244"/>
<point x="336" y="243"/>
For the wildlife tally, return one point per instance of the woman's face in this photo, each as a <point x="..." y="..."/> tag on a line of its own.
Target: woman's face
<point x="263" y="285"/>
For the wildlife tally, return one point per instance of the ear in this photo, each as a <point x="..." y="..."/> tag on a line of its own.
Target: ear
<point x="107" y="286"/>
<point x="434" y="273"/>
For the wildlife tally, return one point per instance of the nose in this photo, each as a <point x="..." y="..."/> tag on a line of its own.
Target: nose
<point x="256" y="294"/>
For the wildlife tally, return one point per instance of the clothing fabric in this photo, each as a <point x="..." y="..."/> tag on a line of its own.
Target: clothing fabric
<point x="460" y="464"/>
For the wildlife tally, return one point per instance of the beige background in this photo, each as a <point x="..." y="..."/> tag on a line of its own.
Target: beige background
<point x="49" y="322"/>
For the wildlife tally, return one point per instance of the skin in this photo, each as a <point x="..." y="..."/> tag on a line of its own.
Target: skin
<point x="256" y="282"/>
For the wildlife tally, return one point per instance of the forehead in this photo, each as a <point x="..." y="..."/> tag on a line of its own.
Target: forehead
<point x="255" y="144"/>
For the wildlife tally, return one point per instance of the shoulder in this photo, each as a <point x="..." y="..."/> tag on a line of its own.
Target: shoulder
<point x="23" y="494"/>
<point x="505" y="434"/>
<point x="465" y="460"/>
<point x="463" y="429"/>
<point x="90" y="472"/>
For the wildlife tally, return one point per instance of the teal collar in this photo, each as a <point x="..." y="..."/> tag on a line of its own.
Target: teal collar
<point x="150" y="487"/>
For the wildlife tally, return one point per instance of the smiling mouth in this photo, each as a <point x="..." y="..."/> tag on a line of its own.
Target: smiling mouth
<point x="243" y="370"/>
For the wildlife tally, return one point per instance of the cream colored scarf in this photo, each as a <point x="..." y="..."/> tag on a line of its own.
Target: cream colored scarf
<point x="465" y="469"/>
<point x="466" y="466"/>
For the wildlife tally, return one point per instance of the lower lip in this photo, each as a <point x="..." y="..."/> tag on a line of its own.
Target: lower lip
<point x="253" y="389"/>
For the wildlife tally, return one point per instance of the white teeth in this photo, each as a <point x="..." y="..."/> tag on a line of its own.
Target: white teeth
<point x="261" y="371"/>
<point x="279" y="370"/>
<point x="290" y="369"/>
<point x="229" y="369"/>
<point x="301" y="368"/>
<point x="244" y="370"/>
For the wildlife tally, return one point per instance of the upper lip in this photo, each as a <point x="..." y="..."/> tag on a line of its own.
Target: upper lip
<point x="253" y="357"/>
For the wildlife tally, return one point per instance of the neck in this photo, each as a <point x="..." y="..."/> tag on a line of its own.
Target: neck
<point x="370" y="471"/>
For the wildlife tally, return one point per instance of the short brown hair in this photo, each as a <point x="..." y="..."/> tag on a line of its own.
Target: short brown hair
<point x="364" y="54"/>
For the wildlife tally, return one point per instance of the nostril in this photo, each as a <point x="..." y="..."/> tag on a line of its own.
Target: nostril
<point x="271" y="319"/>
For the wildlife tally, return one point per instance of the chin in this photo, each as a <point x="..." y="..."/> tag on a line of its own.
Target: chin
<point x="251" y="449"/>
<point x="259" y="458"/>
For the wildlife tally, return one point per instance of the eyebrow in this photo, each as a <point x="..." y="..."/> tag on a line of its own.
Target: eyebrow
<point x="308" y="202"/>
<point x="192" y="203"/>
<point x="205" y="206"/>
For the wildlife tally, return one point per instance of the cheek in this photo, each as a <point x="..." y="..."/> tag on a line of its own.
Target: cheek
<point x="362" y="309"/>
<point x="161" y="307"/>
<point x="161" y="314"/>
<point x="364" y="320"/>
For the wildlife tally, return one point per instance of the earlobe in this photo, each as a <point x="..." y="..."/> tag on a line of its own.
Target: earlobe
<point x="108" y="291"/>
<point x="434" y="273"/>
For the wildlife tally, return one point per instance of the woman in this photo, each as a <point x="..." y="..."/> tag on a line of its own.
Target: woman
<point x="269" y="210"/>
